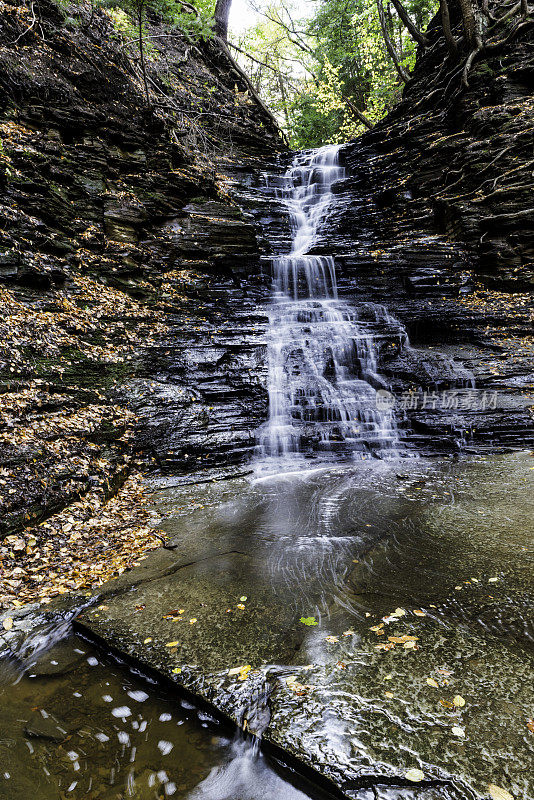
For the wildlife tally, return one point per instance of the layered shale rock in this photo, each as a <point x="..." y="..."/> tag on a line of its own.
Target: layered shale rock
<point x="126" y="322"/>
<point x="435" y="220"/>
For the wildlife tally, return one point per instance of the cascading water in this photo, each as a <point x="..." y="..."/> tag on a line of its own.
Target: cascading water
<point x="323" y="378"/>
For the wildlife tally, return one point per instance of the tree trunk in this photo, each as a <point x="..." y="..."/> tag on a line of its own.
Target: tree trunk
<point x="469" y="21"/>
<point x="389" y="44"/>
<point x="446" y="24"/>
<point x="405" y="17"/>
<point x="282" y="90"/>
<point x="222" y="13"/>
<point x="142" y="49"/>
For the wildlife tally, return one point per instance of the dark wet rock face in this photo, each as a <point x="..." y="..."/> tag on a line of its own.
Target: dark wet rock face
<point x="129" y="277"/>
<point x="462" y="333"/>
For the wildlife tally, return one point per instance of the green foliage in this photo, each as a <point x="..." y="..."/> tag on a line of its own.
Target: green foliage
<point x="337" y="53"/>
<point x="125" y="15"/>
<point x="310" y="621"/>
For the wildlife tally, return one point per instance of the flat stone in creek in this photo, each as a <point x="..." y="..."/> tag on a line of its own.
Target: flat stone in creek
<point x="217" y="630"/>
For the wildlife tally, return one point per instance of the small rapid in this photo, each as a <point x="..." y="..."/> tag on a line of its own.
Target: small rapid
<point x="323" y="377"/>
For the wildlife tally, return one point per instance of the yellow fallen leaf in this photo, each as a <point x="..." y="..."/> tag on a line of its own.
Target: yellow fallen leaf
<point x="458" y="732"/>
<point x="458" y="701"/>
<point x="177" y="670"/>
<point x="498" y="793"/>
<point x="414" y="775"/>
<point x="332" y="639"/>
<point x="193" y="620"/>
<point x="172" y="644"/>
<point x="409" y="645"/>
<point x="8" y="623"/>
<point x="241" y="606"/>
<point x="432" y="682"/>
<point x="242" y="672"/>
<point x="243" y="675"/>
<point x="419" y="613"/>
<point x="147" y="640"/>
<point x="243" y="598"/>
<point x="389" y="694"/>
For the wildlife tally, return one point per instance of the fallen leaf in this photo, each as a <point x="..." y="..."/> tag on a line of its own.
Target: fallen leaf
<point x="241" y="606"/>
<point x="172" y="644"/>
<point x="414" y="775"/>
<point x="458" y="732"/>
<point x="193" y="620"/>
<point x="498" y="793"/>
<point x="243" y="598"/>
<point x="8" y="623"/>
<point x="331" y="639"/>
<point x="177" y="670"/>
<point x="389" y="694"/>
<point x="242" y="672"/>
<point x="147" y="640"/>
<point x="458" y="701"/>
<point x="419" y="613"/>
<point x="432" y="682"/>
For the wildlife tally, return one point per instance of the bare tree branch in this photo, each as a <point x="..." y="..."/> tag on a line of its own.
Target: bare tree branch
<point x="414" y="32"/>
<point x="389" y="44"/>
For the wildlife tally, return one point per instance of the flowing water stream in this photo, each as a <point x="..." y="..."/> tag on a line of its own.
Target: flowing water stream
<point x="323" y="376"/>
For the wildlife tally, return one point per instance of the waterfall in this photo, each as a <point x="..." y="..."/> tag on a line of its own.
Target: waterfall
<point x="322" y="359"/>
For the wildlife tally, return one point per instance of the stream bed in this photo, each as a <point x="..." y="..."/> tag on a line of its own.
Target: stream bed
<point x="366" y="619"/>
<point x="383" y="608"/>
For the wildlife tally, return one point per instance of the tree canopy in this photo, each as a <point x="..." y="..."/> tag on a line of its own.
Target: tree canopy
<point x="329" y="75"/>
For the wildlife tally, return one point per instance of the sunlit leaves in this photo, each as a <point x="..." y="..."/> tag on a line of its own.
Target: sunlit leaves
<point x="310" y="621"/>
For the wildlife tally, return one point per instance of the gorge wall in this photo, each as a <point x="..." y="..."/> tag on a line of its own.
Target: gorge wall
<point x="134" y="272"/>
<point x="436" y="221"/>
<point x="127" y="333"/>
